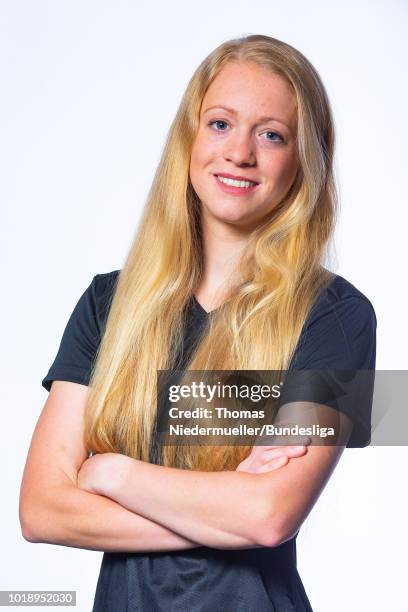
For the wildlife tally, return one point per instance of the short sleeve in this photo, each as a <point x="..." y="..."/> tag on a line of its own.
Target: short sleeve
<point x="340" y="336"/>
<point x="79" y="343"/>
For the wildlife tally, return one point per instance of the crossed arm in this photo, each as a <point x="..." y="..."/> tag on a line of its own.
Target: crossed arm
<point x="59" y="503"/>
<point x="218" y="509"/>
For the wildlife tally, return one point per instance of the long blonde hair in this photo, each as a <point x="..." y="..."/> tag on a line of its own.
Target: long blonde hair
<point x="259" y="325"/>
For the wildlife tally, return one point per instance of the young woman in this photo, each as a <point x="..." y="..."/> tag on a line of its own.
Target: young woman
<point x="225" y="273"/>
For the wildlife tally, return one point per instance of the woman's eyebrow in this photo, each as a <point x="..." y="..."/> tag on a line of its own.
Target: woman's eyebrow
<point x="234" y="112"/>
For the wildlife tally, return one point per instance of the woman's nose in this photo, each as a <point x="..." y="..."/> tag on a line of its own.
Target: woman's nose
<point x="240" y="149"/>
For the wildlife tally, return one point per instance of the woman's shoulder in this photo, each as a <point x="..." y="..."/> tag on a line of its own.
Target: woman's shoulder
<point x="83" y="331"/>
<point x="340" y="288"/>
<point x="105" y="282"/>
<point x="340" y="330"/>
<point x="102" y="289"/>
<point x="339" y="298"/>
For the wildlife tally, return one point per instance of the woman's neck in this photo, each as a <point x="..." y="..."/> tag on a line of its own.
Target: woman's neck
<point x="223" y="247"/>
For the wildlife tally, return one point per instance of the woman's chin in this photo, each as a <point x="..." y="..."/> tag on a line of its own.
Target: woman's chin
<point x="231" y="215"/>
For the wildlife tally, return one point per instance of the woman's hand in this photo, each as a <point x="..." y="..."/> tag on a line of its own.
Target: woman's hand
<point x="269" y="458"/>
<point x="102" y="473"/>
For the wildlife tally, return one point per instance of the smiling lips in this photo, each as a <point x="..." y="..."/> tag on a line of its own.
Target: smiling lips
<point x="238" y="185"/>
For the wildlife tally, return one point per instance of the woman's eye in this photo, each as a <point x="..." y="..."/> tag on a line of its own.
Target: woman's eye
<point x="274" y="134"/>
<point x="219" y="125"/>
<point x="218" y="121"/>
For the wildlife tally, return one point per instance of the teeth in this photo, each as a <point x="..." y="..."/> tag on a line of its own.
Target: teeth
<point x="234" y="183"/>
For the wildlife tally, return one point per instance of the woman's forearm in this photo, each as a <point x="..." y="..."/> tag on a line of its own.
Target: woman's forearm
<point x="68" y="516"/>
<point x="216" y="509"/>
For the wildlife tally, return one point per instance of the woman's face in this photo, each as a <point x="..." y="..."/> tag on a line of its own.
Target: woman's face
<point x="250" y="134"/>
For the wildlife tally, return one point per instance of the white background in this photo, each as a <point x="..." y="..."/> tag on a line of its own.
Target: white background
<point x="89" y="90"/>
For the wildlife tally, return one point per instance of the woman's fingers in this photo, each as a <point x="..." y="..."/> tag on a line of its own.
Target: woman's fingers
<point x="287" y="451"/>
<point x="273" y="465"/>
<point x="268" y="458"/>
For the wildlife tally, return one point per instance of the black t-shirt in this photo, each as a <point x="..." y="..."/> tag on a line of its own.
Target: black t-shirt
<point x="339" y="334"/>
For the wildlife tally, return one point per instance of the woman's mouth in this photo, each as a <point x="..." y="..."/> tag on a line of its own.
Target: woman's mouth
<point x="237" y="187"/>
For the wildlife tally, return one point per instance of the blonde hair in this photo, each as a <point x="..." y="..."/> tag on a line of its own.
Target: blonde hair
<point x="259" y="325"/>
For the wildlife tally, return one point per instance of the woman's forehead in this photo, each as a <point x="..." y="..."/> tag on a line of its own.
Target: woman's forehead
<point x="249" y="91"/>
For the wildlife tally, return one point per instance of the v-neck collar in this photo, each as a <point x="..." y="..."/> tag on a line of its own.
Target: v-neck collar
<point x="201" y="308"/>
